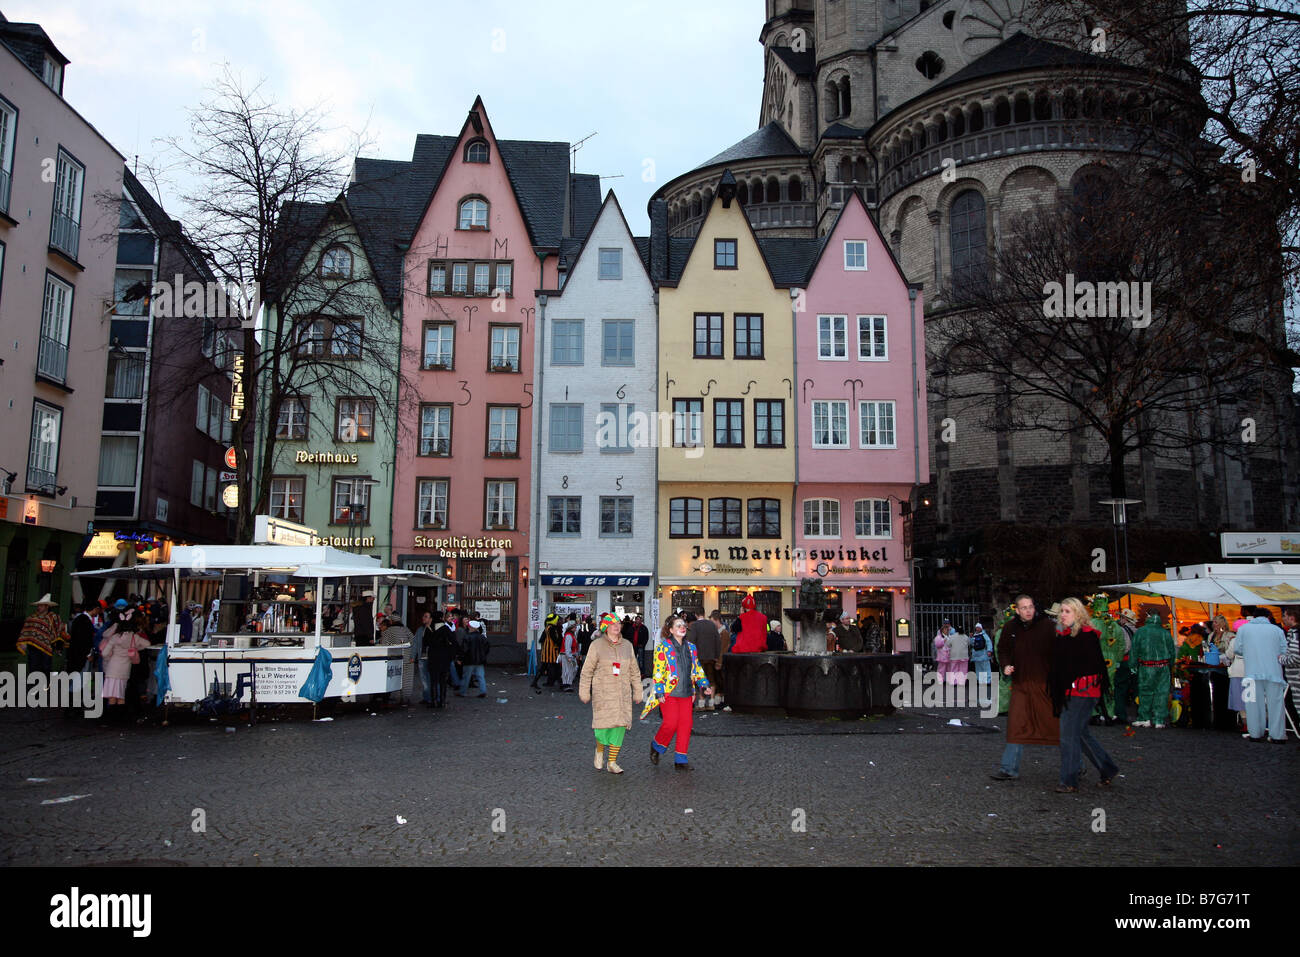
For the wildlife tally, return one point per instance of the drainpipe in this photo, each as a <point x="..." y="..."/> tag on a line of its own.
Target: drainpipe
<point x="392" y="474"/>
<point x="916" y="456"/>
<point x="534" y="531"/>
<point x="794" y="435"/>
<point x="654" y="553"/>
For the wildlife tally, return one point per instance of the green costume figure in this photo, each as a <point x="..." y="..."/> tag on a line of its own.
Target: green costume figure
<point x="1125" y="676"/>
<point x="1112" y="650"/>
<point x="1004" y="682"/>
<point x="1153" y="649"/>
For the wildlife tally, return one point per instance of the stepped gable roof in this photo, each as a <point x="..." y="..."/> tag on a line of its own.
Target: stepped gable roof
<point x="585" y="203"/>
<point x="842" y="131"/>
<point x="1021" y="52"/>
<point x="801" y="64"/>
<point x="381" y="200"/>
<point x="771" y="140"/>
<point x="790" y="259"/>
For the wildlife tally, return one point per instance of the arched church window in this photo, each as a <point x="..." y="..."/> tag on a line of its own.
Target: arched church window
<point x="1021" y="114"/>
<point x="968" y="244"/>
<point x="794" y="189"/>
<point x="1001" y="113"/>
<point x="773" y="190"/>
<point x="846" y="98"/>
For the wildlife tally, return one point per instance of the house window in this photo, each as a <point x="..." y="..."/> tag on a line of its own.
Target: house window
<point x="564" y="516"/>
<point x="764" y="517"/>
<point x="724" y="254"/>
<point x="212" y="417"/>
<point x="500" y="513"/>
<point x="876" y="422"/>
<point x="117" y="457"/>
<point x="345" y="340"/>
<point x="473" y="214"/>
<point x="855" y="254"/>
<point x="203" y="487"/>
<point x="482" y="278"/>
<point x="729" y="423"/>
<point x="832" y="337"/>
<point x="65" y="225"/>
<point x="505" y="273"/>
<point x="131" y="291"/>
<point x="355" y="420"/>
<point x="431" y="503"/>
<point x="476" y="151"/>
<point x="291" y="424"/>
<point x="611" y="264"/>
<point x="821" y="518"/>
<point x="566" y="428"/>
<point x="437" y="278"/>
<point x="459" y="278"/>
<point x="617" y="342"/>
<point x="830" y="424"/>
<point x="125" y="378"/>
<point x="614" y="427"/>
<point x="566" y="342"/>
<point x="504" y="349"/>
<point x="43" y="449"/>
<point x="871" y="518"/>
<point x="616" y="516"/>
<point x="311" y="337"/>
<point x="287" y="496"/>
<point x="871" y="338"/>
<point x="968" y="244"/>
<point x="56" y="322"/>
<point x="688" y="423"/>
<point x="336" y="263"/>
<point x="749" y="337"/>
<point x="8" y="125"/>
<point x="439" y="345"/>
<point x="435" y="430"/>
<point x="351" y="501"/>
<point x="769" y="423"/>
<point x="708" y="336"/>
<point x="685" y="518"/>
<point x="724" y="518"/>
<point x="503" y="431"/>
<point x="52" y="74"/>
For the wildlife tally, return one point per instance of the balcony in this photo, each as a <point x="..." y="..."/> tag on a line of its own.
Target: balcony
<point x="435" y="446"/>
<point x="5" y="179"/>
<point x="65" y="235"/>
<point x="39" y="478"/>
<point x="52" y="360"/>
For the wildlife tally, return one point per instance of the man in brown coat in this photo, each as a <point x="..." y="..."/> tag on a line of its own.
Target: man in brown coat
<point x="1025" y="652"/>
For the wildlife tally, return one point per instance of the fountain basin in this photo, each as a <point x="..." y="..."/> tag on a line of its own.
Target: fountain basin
<point x="811" y="686"/>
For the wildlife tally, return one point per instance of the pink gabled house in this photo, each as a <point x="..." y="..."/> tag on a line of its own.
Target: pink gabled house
<point x="860" y="400"/>
<point x="491" y="233"/>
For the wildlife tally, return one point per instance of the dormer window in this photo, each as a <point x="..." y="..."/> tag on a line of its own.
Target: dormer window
<point x="52" y="74"/>
<point x="473" y="214"/>
<point x="336" y="263"/>
<point x="476" y="151"/>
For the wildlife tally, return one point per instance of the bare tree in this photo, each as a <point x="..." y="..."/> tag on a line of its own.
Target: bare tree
<point x="269" y="210"/>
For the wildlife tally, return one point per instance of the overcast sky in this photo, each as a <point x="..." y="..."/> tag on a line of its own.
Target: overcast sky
<point x="670" y="83"/>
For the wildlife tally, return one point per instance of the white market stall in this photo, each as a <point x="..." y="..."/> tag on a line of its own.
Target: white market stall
<point x="268" y="645"/>
<point x="1223" y="583"/>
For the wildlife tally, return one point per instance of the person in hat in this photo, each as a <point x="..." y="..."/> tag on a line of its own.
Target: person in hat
<point x="753" y="628"/>
<point x="1153" y="647"/>
<point x="548" y="652"/>
<point x="677" y="676"/>
<point x="981" y="650"/>
<point x="847" y="635"/>
<point x="1112" y="651"/>
<point x="611" y="683"/>
<point x="42" y="634"/>
<point x="941" y="650"/>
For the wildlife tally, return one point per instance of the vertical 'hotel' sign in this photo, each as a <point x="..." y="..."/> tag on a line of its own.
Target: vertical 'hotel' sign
<point x="237" y="389"/>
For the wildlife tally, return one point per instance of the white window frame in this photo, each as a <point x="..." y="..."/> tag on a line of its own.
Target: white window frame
<point x="825" y="510"/>
<point x="428" y="494"/>
<point x="873" y="340"/>
<point x="503" y="347"/>
<point x="496" y="502"/>
<point x="68" y="173"/>
<point x="43" y="455"/>
<point x="362" y="412"/>
<point x="830" y="407"/>
<point x="827" y="324"/>
<point x="436" y="437"/>
<point x="476" y="205"/>
<point x="350" y="484"/>
<point x="293" y="411"/>
<point x="848" y="265"/>
<point x="437" y="329"/>
<point x="875" y="408"/>
<point x="503" y="428"/>
<point x="283" y="488"/>
<point x="878" y="517"/>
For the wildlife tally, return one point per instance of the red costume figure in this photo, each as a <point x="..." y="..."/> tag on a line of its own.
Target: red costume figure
<point x="753" y="628"/>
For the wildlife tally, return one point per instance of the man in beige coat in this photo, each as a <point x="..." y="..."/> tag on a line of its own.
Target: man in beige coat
<point x="610" y="680"/>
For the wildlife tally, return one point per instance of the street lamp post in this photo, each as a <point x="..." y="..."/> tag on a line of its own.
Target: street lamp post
<point x="1119" y="514"/>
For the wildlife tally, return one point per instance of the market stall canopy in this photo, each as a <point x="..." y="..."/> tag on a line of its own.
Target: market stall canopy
<point x="1271" y="583"/>
<point x="158" y="572"/>
<point x="390" y="576"/>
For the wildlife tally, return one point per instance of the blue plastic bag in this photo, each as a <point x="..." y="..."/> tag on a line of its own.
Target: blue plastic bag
<point x="318" y="680"/>
<point x="162" y="675"/>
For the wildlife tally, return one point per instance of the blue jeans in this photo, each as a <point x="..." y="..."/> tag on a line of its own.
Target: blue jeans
<point x="1076" y="739"/>
<point x="425" y="685"/>
<point x="455" y="674"/>
<point x="470" y="672"/>
<point x="1011" y="758"/>
<point x="982" y="670"/>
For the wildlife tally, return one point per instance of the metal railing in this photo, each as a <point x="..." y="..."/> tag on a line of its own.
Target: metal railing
<point x="65" y="234"/>
<point x="928" y="616"/>
<point x="5" y="179"/>
<point x="39" y="478"/>
<point x="52" y="359"/>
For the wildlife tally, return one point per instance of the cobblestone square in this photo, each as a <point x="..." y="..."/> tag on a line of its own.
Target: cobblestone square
<point x="510" y="782"/>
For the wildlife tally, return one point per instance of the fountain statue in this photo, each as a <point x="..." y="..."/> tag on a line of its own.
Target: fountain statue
<point x="809" y="618"/>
